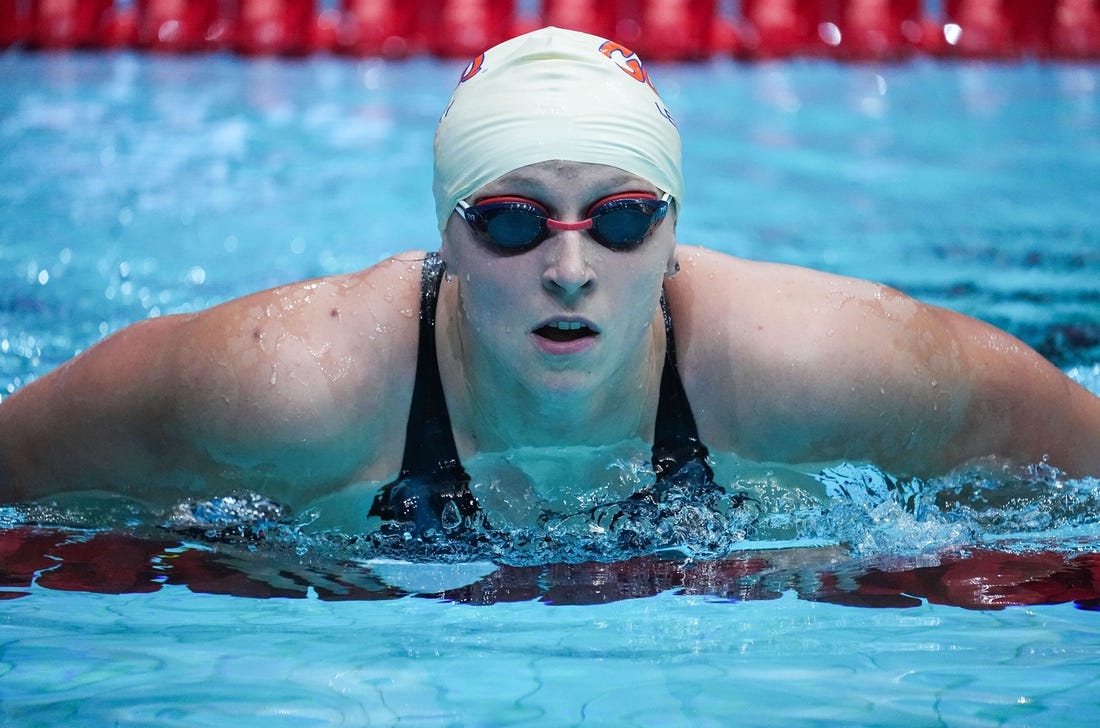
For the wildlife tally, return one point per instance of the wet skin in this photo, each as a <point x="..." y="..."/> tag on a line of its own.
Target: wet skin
<point x="302" y="392"/>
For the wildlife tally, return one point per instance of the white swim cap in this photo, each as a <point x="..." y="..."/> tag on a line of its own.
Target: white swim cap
<point x="553" y="94"/>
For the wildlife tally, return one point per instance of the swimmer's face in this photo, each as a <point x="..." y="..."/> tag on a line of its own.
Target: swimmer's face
<point x="569" y="310"/>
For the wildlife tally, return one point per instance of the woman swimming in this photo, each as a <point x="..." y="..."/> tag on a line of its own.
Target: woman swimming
<point x="542" y="351"/>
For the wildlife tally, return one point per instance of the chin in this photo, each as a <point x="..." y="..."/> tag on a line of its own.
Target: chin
<point x="564" y="382"/>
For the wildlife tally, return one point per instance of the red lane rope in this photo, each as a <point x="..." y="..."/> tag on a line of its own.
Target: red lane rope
<point x="117" y="563"/>
<point x="682" y="30"/>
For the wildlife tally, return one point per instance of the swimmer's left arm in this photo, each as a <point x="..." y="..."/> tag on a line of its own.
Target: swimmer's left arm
<point x="938" y="389"/>
<point x="791" y="365"/>
<point x="1020" y="406"/>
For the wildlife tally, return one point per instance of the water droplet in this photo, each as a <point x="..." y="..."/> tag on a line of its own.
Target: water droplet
<point x="450" y="518"/>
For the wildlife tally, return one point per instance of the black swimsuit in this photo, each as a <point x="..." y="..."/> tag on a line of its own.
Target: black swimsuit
<point x="433" y="489"/>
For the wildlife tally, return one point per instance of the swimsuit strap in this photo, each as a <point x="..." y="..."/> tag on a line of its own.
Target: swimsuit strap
<point x="429" y="441"/>
<point x="433" y="489"/>
<point x="675" y="437"/>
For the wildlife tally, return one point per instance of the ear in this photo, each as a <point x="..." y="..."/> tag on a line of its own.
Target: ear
<point x="446" y="247"/>
<point x="673" y="266"/>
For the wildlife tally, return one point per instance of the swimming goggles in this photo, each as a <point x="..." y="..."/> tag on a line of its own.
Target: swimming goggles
<point x="517" y="224"/>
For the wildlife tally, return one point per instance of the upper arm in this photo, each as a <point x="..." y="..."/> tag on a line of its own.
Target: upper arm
<point x="799" y="366"/>
<point x="302" y="387"/>
<point x="290" y="392"/>
<point x="1021" y="406"/>
<point x="92" y="421"/>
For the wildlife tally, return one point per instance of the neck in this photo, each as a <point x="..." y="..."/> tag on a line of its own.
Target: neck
<point x="494" y="410"/>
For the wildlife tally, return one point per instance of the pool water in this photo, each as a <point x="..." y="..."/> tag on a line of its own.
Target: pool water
<point x="134" y="186"/>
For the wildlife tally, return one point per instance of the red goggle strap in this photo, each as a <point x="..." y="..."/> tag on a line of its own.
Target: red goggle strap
<point x="621" y="196"/>
<point x="512" y="198"/>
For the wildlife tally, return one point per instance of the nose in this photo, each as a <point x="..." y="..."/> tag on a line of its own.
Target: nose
<point x="567" y="269"/>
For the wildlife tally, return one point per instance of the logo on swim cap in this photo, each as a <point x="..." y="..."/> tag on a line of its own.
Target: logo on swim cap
<point x="627" y="60"/>
<point x="473" y="68"/>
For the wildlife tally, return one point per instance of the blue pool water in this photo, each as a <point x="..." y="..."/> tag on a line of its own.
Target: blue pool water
<point x="133" y="186"/>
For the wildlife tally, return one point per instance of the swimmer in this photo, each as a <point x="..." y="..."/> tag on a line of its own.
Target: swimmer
<point x="559" y="328"/>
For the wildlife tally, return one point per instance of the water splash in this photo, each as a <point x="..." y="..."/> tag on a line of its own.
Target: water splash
<point x="242" y="517"/>
<point x="1021" y="508"/>
<point x="865" y="510"/>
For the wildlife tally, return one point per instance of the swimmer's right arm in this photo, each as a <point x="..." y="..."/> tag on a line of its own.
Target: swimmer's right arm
<point x="287" y="392"/>
<point x="92" y="424"/>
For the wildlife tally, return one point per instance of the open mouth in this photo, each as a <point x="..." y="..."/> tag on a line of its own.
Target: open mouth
<point x="565" y="331"/>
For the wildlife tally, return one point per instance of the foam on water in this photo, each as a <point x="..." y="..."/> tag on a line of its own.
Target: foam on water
<point x="864" y="510"/>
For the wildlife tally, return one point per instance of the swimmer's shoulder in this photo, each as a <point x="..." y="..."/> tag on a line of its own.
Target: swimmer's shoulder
<point x="323" y="366"/>
<point x="766" y="348"/>
<point x="364" y="319"/>
<point x="763" y="309"/>
<point x="294" y="392"/>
